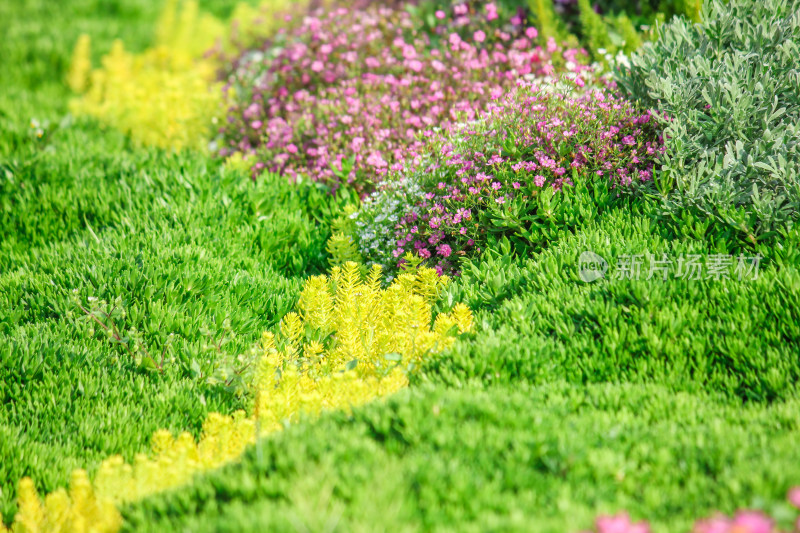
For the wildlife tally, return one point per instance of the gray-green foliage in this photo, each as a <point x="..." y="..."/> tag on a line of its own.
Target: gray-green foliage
<point x="730" y="89"/>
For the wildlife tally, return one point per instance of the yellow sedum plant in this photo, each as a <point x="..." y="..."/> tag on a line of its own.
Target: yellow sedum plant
<point x="167" y="96"/>
<point x="77" y="510"/>
<point x="350" y="342"/>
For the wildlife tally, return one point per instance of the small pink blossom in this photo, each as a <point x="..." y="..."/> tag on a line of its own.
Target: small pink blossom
<point x="415" y="65"/>
<point x="491" y="11"/>
<point x="479" y="36"/>
<point x="531" y="32"/>
<point x="620" y="523"/>
<point x="317" y="66"/>
<point x="794" y="496"/>
<point x="440" y="14"/>
<point x="444" y="250"/>
<point x="752" y="522"/>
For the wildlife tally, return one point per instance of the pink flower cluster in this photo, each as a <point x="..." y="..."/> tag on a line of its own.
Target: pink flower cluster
<point x="741" y="522"/>
<point x="530" y="139"/>
<point x="349" y="94"/>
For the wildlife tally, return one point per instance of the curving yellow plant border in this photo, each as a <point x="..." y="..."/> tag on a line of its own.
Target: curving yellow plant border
<point x="349" y="342"/>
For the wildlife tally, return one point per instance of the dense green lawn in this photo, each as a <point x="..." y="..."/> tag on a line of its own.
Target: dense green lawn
<point x="670" y="399"/>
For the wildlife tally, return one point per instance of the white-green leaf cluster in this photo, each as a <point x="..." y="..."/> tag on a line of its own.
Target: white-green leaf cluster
<point x="728" y="92"/>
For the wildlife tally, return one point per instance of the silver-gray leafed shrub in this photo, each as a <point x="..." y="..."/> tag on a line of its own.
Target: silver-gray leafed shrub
<point x="728" y="91"/>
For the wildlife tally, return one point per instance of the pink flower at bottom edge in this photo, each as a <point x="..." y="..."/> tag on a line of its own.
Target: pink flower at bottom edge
<point x="753" y="522"/>
<point x="794" y="497"/>
<point x="716" y="524"/>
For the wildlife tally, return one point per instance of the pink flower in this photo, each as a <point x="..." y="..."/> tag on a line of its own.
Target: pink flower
<point x="376" y="160"/>
<point x="500" y="199"/>
<point x="794" y="497"/>
<point x="444" y="250"/>
<point x="752" y="522"/>
<point x="356" y="144"/>
<point x="326" y="49"/>
<point x="579" y="82"/>
<point x="440" y="15"/>
<point x="256" y="124"/>
<point x="620" y="523"/>
<point x="415" y="65"/>
<point x="551" y="45"/>
<point x="516" y="185"/>
<point x="538" y="180"/>
<point x="491" y="11"/>
<point x="424" y="253"/>
<point x="460" y="9"/>
<point x="531" y="33"/>
<point x="454" y="39"/>
<point x="317" y="66"/>
<point x="479" y="36"/>
<point x="251" y="111"/>
<point x="496" y="185"/>
<point x="291" y="148"/>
